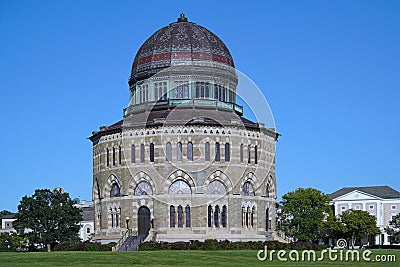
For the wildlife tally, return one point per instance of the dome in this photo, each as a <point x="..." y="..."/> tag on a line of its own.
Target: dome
<point x="176" y="43"/>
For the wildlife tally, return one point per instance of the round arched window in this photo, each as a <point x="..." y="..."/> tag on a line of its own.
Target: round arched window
<point x="216" y="187"/>
<point x="247" y="189"/>
<point x="115" y="191"/>
<point x="180" y="187"/>
<point x="143" y="188"/>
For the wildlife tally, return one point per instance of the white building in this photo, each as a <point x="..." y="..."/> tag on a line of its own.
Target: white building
<point x="381" y="201"/>
<point x="7" y="223"/>
<point x="87" y="224"/>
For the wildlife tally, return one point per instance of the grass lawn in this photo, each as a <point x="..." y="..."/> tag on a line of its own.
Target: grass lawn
<point x="170" y="258"/>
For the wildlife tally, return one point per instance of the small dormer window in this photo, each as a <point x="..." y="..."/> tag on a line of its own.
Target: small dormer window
<point x="393" y="207"/>
<point x="371" y="207"/>
<point x="343" y="208"/>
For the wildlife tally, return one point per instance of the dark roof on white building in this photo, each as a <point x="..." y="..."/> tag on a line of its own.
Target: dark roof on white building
<point x="385" y="191"/>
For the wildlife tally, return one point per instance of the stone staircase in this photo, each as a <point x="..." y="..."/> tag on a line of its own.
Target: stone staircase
<point x="132" y="243"/>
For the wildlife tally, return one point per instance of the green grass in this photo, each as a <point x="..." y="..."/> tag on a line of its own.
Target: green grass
<point x="169" y="258"/>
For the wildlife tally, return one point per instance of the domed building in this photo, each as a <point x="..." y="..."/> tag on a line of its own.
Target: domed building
<point x="184" y="163"/>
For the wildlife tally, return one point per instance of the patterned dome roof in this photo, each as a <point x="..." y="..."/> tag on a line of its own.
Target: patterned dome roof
<point x="178" y="42"/>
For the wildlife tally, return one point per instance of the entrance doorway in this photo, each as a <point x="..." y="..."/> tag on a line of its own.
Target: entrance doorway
<point x="143" y="220"/>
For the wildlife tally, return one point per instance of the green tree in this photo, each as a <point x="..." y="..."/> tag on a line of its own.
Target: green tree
<point x="393" y="228"/>
<point x="11" y="242"/>
<point x="47" y="218"/>
<point x="358" y="224"/>
<point x="302" y="212"/>
<point x="5" y="212"/>
<point x="332" y="227"/>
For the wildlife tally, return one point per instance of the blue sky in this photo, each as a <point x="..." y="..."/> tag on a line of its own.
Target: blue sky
<point x="329" y="69"/>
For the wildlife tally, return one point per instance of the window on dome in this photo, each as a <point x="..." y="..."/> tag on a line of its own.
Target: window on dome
<point x="168" y="149"/>
<point x="160" y="91"/>
<point x="143" y="188"/>
<point x="220" y="92"/>
<point x="247" y="189"/>
<point x="142" y="153"/>
<point x="179" y="151"/>
<point x="144" y="92"/>
<point x="207" y="151"/>
<point x="216" y="187"/>
<point x="202" y="90"/>
<point x="115" y="190"/>
<point x="217" y="152"/>
<point x="151" y="152"/>
<point x="179" y="187"/>
<point x="181" y="91"/>
<point x="227" y="152"/>
<point x="190" y="151"/>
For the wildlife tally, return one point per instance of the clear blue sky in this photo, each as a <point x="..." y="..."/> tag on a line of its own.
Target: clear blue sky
<point x="329" y="69"/>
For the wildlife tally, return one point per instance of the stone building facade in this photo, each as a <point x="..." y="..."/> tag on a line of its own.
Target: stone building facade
<point x="184" y="163"/>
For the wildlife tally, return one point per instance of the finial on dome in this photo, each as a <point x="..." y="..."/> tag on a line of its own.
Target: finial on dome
<point x="182" y="18"/>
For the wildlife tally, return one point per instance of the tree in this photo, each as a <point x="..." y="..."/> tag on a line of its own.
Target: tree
<point x="358" y="224"/>
<point x="4" y="213"/>
<point x="302" y="212"/>
<point x="332" y="227"/>
<point x="393" y="228"/>
<point x="47" y="218"/>
<point x="11" y="242"/>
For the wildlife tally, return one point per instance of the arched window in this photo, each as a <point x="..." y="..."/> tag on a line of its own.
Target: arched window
<point x="190" y="151"/>
<point x="217" y="152"/>
<point x="143" y="188"/>
<point x="112" y="219"/>
<point x="247" y="217"/>
<point x="120" y="155"/>
<point x="216" y="187"/>
<point x="227" y="152"/>
<point x="248" y="154"/>
<point x="133" y="154"/>
<point x="113" y="156"/>
<point x="223" y="216"/>
<point x="151" y="152"/>
<point x="108" y="157"/>
<point x="207" y="151"/>
<point x="179" y="151"/>
<point x="187" y="212"/>
<point x="142" y="153"/>
<point x="168" y="149"/>
<point x="267" y="190"/>
<point x="209" y="215"/>
<point x="247" y="189"/>
<point x="180" y="216"/>
<point x="171" y="216"/>
<point x="267" y="220"/>
<point x="216" y="216"/>
<point x="241" y="152"/>
<point x="255" y="155"/>
<point x="115" y="191"/>
<point x="253" y="212"/>
<point x="179" y="187"/>
<point x="116" y="219"/>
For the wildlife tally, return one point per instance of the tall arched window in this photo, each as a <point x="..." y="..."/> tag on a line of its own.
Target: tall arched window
<point x="179" y="151"/>
<point x="190" y="151"/>
<point x="209" y="215"/>
<point x="142" y="153"/>
<point x="171" y="216"/>
<point x="217" y="152"/>
<point x="223" y="216"/>
<point x="179" y="187"/>
<point x="133" y="154"/>
<point x="108" y="157"/>
<point x="267" y="221"/>
<point x="216" y="216"/>
<point x="227" y="152"/>
<point x="241" y="152"/>
<point x="180" y="216"/>
<point x="151" y="152"/>
<point x="187" y="213"/>
<point x="253" y="212"/>
<point x="115" y="190"/>
<point x="267" y="190"/>
<point x="247" y="217"/>
<point x="207" y="151"/>
<point x="248" y="154"/>
<point x="120" y="155"/>
<point x="113" y="156"/>
<point x="168" y="149"/>
<point x="255" y="155"/>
